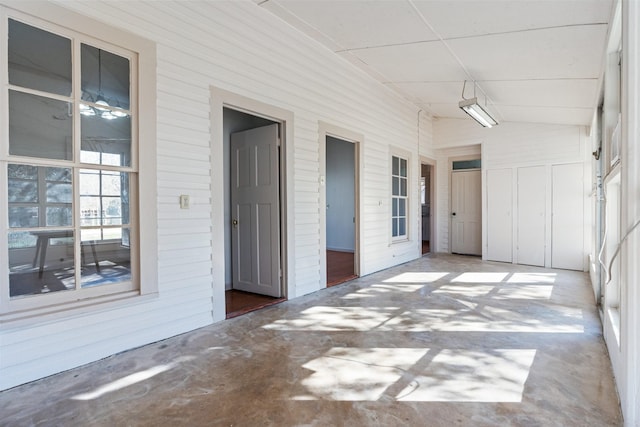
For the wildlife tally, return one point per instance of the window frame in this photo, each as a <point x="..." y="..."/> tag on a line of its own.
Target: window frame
<point x="141" y="54"/>
<point x="407" y="198"/>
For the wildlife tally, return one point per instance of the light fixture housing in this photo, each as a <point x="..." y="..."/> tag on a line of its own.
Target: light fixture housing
<point x="479" y="114"/>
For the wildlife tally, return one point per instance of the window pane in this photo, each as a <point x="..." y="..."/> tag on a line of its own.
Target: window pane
<point x="112" y="208"/>
<point x="59" y="193"/>
<point x="111" y="183"/>
<point x="106" y="75"/>
<point x="90" y="211"/>
<point x="403" y="187"/>
<point x="402" y="226"/>
<point x="22" y="217"/>
<point x="396" y="165"/>
<point x="59" y="174"/>
<point x="23" y="191"/>
<point x="59" y="216"/>
<point x="106" y="136"/>
<point x="402" y="210"/>
<point x="105" y="259"/>
<point x="395" y="190"/>
<point x="39" y="59"/>
<point x="89" y="182"/>
<point x="43" y="267"/>
<point x="403" y="167"/>
<point x="394" y="204"/>
<point x="467" y="164"/>
<point x="23" y="172"/>
<point x="39" y="127"/>
<point x="394" y="221"/>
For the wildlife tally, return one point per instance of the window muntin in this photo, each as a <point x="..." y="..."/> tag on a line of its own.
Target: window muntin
<point x="399" y="196"/>
<point x="51" y="247"/>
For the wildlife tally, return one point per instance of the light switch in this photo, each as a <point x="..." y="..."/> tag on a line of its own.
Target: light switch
<point x="184" y="201"/>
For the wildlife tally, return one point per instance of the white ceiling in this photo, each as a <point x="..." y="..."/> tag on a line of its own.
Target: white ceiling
<point x="532" y="60"/>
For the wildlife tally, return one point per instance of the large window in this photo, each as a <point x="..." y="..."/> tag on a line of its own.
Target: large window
<point x="69" y="166"/>
<point x="399" y="196"/>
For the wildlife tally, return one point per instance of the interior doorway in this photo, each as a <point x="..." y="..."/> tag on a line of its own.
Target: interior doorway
<point x="426" y="206"/>
<point x="340" y="191"/>
<point x="252" y="237"/>
<point x="466" y="207"/>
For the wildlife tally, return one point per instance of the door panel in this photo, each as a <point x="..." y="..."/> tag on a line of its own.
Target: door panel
<point x="531" y="215"/>
<point x="567" y="249"/>
<point x="499" y="216"/>
<point x="255" y="211"/>
<point x="466" y="212"/>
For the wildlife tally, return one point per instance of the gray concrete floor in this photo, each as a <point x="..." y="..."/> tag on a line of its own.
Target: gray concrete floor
<point x="441" y="341"/>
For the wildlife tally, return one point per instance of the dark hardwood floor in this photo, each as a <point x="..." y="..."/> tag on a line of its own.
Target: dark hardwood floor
<point x="340" y="267"/>
<point x="240" y="302"/>
<point x="426" y="248"/>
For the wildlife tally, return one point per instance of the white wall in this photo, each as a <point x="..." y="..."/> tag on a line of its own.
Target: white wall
<point x="511" y="146"/>
<point x="241" y="48"/>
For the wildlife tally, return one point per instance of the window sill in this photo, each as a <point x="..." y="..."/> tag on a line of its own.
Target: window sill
<point x="65" y="311"/>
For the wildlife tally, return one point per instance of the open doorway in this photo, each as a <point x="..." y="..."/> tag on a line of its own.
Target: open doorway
<point x="426" y="205"/>
<point x="252" y="238"/>
<point x="340" y="190"/>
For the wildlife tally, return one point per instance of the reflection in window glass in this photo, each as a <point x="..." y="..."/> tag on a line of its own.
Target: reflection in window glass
<point x="39" y="59"/>
<point x="23" y="217"/>
<point x="106" y="259"/>
<point x="41" y="262"/>
<point x="104" y="199"/>
<point x="108" y="138"/>
<point x="39" y="127"/>
<point x="105" y="77"/>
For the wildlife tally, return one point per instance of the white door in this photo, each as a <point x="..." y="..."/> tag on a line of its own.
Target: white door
<point x="466" y="216"/>
<point x="531" y="215"/>
<point x="255" y="237"/>
<point x="499" y="218"/>
<point x="567" y="249"/>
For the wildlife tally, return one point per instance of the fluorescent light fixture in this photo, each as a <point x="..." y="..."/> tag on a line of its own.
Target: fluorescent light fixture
<point x="479" y="114"/>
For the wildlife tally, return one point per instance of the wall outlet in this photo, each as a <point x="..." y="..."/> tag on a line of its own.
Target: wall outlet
<point x="184" y="201"/>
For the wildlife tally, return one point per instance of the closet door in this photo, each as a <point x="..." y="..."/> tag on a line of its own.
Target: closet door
<point x="499" y="215"/>
<point x="531" y="220"/>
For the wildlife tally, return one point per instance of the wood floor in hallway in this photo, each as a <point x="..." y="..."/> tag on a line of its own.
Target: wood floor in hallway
<point x="441" y="341"/>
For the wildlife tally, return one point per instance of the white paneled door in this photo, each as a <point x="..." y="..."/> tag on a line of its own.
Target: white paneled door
<point x="499" y="216"/>
<point x="530" y="225"/>
<point x="255" y="211"/>
<point x="466" y="212"/>
<point x="567" y="249"/>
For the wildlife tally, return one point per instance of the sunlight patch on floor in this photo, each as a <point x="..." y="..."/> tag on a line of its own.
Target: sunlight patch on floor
<point x="418" y="375"/>
<point x="472" y="376"/>
<point x="357" y="374"/>
<point x="532" y="278"/>
<point x="518" y="291"/>
<point x="130" y="380"/>
<point x="323" y="318"/>
<point x="466" y="290"/>
<point x="487" y="319"/>
<point x="480" y="277"/>
<point x="380" y="289"/>
<point x="416" y="277"/>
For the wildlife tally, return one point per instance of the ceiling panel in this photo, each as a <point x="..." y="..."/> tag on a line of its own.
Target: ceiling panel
<point x="557" y="53"/>
<point x="359" y="24"/>
<point x="473" y="18"/>
<point x="429" y="61"/>
<point x="536" y="60"/>
<point x="552" y="93"/>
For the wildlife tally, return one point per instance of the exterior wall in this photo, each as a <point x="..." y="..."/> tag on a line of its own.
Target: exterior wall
<point x="508" y="146"/>
<point x="627" y="368"/>
<point x="240" y="48"/>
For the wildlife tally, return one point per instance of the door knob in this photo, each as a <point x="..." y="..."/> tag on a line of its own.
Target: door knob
<point x="453" y="214"/>
<point x="235" y="223"/>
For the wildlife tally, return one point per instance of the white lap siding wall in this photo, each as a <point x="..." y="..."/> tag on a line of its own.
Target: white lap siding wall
<point x="241" y="48"/>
